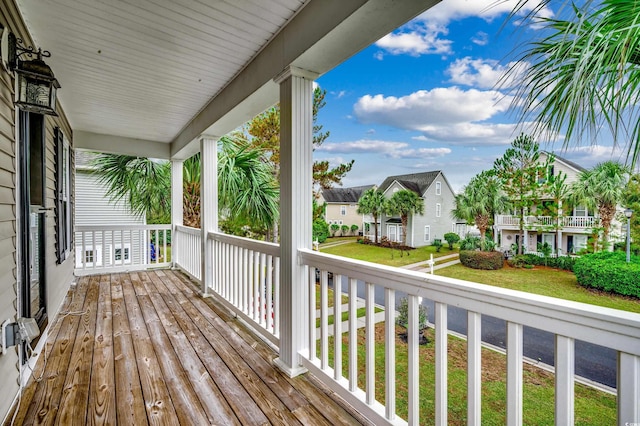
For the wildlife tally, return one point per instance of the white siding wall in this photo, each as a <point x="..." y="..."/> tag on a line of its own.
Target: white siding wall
<point x="93" y="208"/>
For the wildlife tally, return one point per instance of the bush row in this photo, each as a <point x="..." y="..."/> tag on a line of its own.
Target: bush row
<point x="609" y="271"/>
<point x="560" y="262"/>
<point x="489" y="260"/>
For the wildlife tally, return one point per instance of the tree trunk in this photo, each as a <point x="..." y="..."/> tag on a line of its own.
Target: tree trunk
<point x="404" y="219"/>
<point x="375" y="227"/>
<point x="606" y="216"/>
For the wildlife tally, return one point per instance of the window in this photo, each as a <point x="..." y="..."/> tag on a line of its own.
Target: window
<point x="581" y="211"/>
<point x="122" y="254"/>
<point x="343" y="210"/>
<point x="339" y="222"/>
<point x="427" y="233"/>
<point x="63" y="206"/>
<point x="88" y="256"/>
<point x="438" y="188"/>
<point x="438" y="209"/>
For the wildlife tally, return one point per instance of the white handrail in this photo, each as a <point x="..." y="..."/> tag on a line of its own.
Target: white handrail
<point x="568" y="321"/>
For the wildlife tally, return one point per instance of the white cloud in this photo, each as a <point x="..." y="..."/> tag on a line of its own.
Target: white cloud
<point x="424" y="108"/>
<point x="589" y="155"/>
<point x="379" y="55"/>
<point x="484" y="73"/>
<point x="447" y="11"/>
<point x="416" y="39"/>
<point x="395" y="150"/>
<point x="481" y="38"/>
<point x="451" y="115"/>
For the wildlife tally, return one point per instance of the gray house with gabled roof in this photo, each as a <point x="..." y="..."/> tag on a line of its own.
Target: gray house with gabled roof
<point x="342" y="205"/>
<point x="439" y="201"/>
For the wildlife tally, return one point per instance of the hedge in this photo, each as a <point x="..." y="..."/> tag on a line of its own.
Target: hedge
<point x="609" y="271"/>
<point x="488" y="260"/>
<point x="560" y="262"/>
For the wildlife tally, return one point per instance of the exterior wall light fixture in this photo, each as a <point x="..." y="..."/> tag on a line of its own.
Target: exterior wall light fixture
<point x="36" y="84"/>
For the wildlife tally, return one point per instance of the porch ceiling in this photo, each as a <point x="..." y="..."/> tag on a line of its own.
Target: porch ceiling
<point x="158" y="73"/>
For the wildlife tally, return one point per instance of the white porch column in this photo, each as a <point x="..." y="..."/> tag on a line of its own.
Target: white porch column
<point x="296" y="147"/>
<point x="208" y="206"/>
<point x="559" y="231"/>
<point x="176" y="207"/>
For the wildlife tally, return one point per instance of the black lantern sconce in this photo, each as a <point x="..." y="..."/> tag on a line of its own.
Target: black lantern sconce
<point x="36" y="84"/>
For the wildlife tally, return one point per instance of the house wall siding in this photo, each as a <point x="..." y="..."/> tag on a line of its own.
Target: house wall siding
<point x="58" y="277"/>
<point x="332" y="214"/>
<point x="439" y="225"/>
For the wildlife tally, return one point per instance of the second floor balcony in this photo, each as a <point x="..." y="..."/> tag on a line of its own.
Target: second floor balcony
<point x="547" y="222"/>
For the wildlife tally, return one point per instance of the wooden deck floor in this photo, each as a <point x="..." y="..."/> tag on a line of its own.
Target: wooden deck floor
<point x="143" y="348"/>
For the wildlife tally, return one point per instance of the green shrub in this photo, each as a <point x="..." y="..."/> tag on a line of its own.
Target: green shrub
<point x="437" y="243"/>
<point x="354" y="229"/>
<point x="334" y="228"/>
<point x="403" y="314"/>
<point x="451" y="238"/>
<point x="320" y="230"/>
<point x="344" y="229"/>
<point x="488" y="260"/>
<point x="609" y="271"/>
<point x="530" y="259"/>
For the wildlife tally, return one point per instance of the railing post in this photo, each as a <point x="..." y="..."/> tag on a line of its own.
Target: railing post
<point x="628" y="389"/>
<point x="176" y="208"/>
<point x="208" y="206"/>
<point x="296" y="148"/>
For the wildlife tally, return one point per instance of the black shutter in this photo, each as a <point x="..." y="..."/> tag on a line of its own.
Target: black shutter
<point x="60" y="211"/>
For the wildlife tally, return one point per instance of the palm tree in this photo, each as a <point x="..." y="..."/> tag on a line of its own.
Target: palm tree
<point x="601" y="187"/>
<point x="144" y="183"/>
<point x="404" y="203"/>
<point x="246" y="185"/>
<point x="479" y="201"/>
<point x="584" y="75"/>
<point x="372" y="202"/>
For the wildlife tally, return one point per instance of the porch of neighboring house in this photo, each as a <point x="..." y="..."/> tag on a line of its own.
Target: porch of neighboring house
<point x="145" y="348"/>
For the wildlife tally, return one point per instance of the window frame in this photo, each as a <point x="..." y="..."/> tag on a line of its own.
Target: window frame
<point x="427" y="233"/>
<point x="438" y="210"/>
<point x="438" y="188"/>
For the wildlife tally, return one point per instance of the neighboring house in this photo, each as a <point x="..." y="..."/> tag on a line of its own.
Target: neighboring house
<point x="342" y="206"/>
<point x="94" y="208"/>
<point x="576" y="222"/>
<point x="439" y="201"/>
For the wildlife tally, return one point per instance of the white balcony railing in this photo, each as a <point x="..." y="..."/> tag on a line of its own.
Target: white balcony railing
<point x="188" y="250"/>
<point x="568" y="321"/>
<point x="246" y="280"/>
<point x="246" y="275"/>
<point x="121" y="248"/>
<point x="580" y="222"/>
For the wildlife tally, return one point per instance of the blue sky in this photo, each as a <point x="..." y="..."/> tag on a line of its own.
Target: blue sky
<point x="423" y="98"/>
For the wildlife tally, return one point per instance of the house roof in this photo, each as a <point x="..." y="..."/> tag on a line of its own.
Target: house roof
<point x="344" y="195"/>
<point x="416" y="182"/>
<point x="567" y="162"/>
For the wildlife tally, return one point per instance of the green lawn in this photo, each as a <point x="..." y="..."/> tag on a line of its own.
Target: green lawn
<point x="544" y="281"/>
<point x="360" y="312"/>
<point x="386" y="256"/>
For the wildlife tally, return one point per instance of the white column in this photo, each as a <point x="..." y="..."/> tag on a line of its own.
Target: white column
<point x="296" y="147"/>
<point x="208" y="206"/>
<point x="176" y="206"/>
<point x="559" y="249"/>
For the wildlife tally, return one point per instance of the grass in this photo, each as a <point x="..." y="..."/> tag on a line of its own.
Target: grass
<point x="543" y="281"/>
<point x="386" y="256"/>
<point x="591" y="406"/>
<point x="360" y="312"/>
<point x="345" y="299"/>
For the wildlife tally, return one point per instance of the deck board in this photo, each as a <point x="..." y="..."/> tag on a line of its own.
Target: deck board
<point x="144" y="348"/>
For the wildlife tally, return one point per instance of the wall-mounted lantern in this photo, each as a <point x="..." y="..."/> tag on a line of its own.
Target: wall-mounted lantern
<point x="36" y="84"/>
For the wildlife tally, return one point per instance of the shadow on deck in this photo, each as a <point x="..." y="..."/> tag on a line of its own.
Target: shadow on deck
<point x="144" y="348"/>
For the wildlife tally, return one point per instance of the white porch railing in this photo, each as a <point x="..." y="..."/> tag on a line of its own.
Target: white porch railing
<point x="121" y="248"/>
<point x="246" y="275"/>
<point x="568" y="321"/>
<point x="581" y="222"/>
<point x="188" y="250"/>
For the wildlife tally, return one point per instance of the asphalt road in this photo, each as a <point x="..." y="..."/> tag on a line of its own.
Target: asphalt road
<point x="593" y="362"/>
